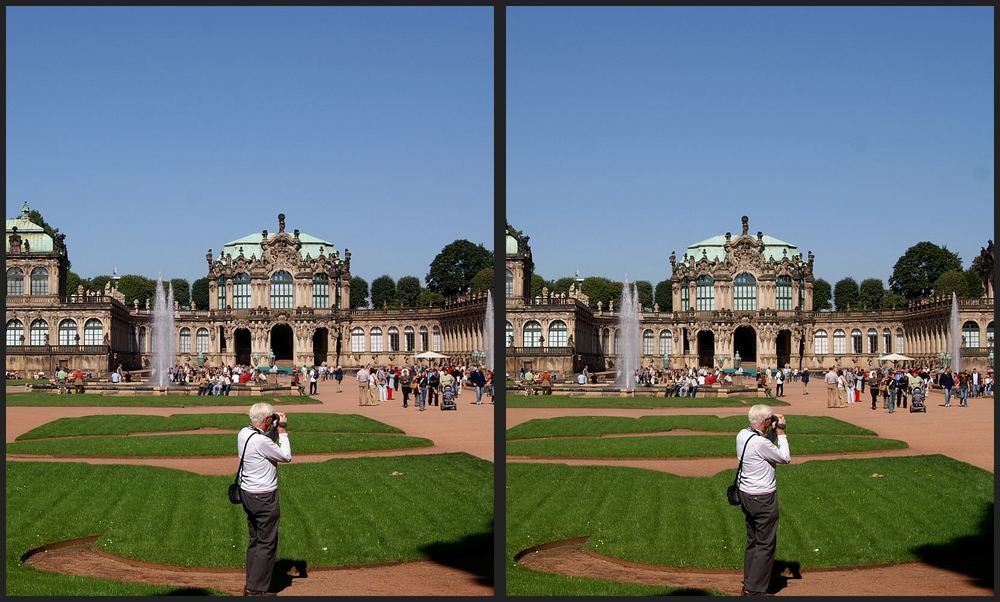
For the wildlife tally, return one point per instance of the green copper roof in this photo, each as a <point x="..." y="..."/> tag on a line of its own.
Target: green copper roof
<point x="511" y="245"/>
<point x="38" y="240"/>
<point x="251" y="246"/>
<point x="714" y="248"/>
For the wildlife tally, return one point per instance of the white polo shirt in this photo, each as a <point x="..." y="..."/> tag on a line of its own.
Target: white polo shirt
<point x="260" y="465"/>
<point x="757" y="476"/>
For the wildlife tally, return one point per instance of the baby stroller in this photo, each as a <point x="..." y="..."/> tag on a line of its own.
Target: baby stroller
<point x="917" y="400"/>
<point x="448" y="398"/>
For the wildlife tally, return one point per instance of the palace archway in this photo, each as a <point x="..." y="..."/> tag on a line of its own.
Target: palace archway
<point x="282" y="342"/>
<point x="320" y="346"/>
<point x="241" y="345"/>
<point x="745" y="343"/>
<point x="783" y="347"/>
<point x="706" y="348"/>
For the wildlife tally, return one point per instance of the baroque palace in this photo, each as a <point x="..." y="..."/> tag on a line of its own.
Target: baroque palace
<point x="281" y="293"/>
<point x="746" y="294"/>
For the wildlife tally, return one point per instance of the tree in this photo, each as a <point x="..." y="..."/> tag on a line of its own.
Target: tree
<point x="36" y="218"/>
<point x="664" y="295"/>
<point x="537" y="284"/>
<point x="137" y="287"/>
<point x="952" y="281"/>
<point x="97" y="282"/>
<point x="562" y="285"/>
<point x="846" y="293"/>
<point x="645" y="290"/>
<point x="452" y="270"/>
<point x="871" y="292"/>
<point x="821" y="295"/>
<point x="408" y="291"/>
<point x="893" y="300"/>
<point x="919" y="268"/>
<point x="602" y="290"/>
<point x="359" y="292"/>
<point x="383" y="291"/>
<point x="182" y="292"/>
<point x="73" y="280"/>
<point x="429" y="297"/>
<point x="483" y="280"/>
<point x="199" y="293"/>
<point x="974" y="283"/>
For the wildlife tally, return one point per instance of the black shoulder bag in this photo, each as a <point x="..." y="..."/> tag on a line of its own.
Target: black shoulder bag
<point x="733" y="491"/>
<point x="235" y="494"/>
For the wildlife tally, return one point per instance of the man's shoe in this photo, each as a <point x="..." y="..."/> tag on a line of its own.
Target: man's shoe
<point x="250" y="592"/>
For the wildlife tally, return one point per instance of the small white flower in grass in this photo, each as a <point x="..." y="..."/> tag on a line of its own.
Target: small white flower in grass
<point x="816" y="550"/>
<point x="324" y="549"/>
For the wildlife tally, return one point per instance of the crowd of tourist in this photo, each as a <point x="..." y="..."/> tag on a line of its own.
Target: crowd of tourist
<point x="426" y="385"/>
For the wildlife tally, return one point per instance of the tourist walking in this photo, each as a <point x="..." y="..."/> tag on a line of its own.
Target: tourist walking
<point x="405" y="381"/>
<point x="841" y="389"/>
<point x="258" y="482"/>
<point x="338" y="374"/>
<point x="805" y="382"/>
<point x="760" y="447"/>
<point x="849" y="388"/>
<point x="963" y="389"/>
<point x="831" y="388"/>
<point x="312" y="381"/>
<point x="422" y="389"/>
<point x="479" y="382"/>
<point x="779" y="384"/>
<point x="873" y="383"/>
<point x="363" y="377"/>
<point x="947" y="382"/>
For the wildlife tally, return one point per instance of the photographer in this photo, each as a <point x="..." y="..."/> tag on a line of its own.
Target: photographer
<point x="766" y="445"/>
<point x="259" y="484"/>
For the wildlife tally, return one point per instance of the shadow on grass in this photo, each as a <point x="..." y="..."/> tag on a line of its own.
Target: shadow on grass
<point x="970" y="555"/>
<point x="284" y="571"/>
<point x="472" y="554"/>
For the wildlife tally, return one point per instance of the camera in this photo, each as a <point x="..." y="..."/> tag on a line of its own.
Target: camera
<point x="775" y="424"/>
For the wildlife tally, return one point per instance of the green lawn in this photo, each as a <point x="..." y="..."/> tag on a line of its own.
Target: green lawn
<point x="167" y="401"/>
<point x="833" y="514"/>
<point x="25" y="381"/>
<point x="565" y="401"/>
<point x="170" y="446"/>
<point x="131" y="423"/>
<point x="582" y="426"/>
<point x="335" y="513"/>
<point x="684" y="446"/>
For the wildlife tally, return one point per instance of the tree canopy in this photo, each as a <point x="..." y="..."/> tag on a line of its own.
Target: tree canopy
<point x="430" y="298"/>
<point x="822" y="294"/>
<point x="870" y="293"/>
<point x="919" y="268"/>
<point x="182" y="292"/>
<point x="664" y="295"/>
<point x="408" y="291"/>
<point x="383" y="292"/>
<point x="645" y="290"/>
<point x="199" y="292"/>
<point x="483" y="280"/>
<point x="846" y="294"/>
<point x="601" y="290"/>
<point x="452" y="270"/>
<point x="964" y="283"/>
<point x="138" y="287"/>
<point x="359" y="292"/>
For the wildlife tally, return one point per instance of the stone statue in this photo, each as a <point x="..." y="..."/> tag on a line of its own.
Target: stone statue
<point x="177" y="305"/>
<point x="656" y="307"/>
<point x="147" y="303"/>
<point x="15" y="241"/>
<point x="281" y="222"/>
<point x="746" y="224"/>
<point x="135" y="303"/>
<point x="611" y="305"/>
<point x="27" y="246"/>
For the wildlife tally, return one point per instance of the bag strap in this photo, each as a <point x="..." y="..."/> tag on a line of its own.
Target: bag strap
<point x="243" y="455"/>
<point x="739" y="469"/>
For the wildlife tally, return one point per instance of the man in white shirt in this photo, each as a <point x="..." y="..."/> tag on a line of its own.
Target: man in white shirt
<point x="760" y="446"/>
<point x="363" y="377"/>
<point x="259" y="490"/>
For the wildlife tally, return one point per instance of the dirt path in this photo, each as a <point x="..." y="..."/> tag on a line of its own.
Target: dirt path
<point x="965" y="434"/>
<point x="571" y="557"/>
<point x="469" y="430"/>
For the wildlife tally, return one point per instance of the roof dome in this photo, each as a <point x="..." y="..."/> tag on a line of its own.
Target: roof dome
<point x="38" y="240"/>
<point x="714" y="247"/>
<point x="251" y="244"/>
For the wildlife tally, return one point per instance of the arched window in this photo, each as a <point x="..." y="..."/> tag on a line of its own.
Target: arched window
<point x="821" y="342"/>
<point x="605" y="340"/>
<point x="510" y="284"/>
<point x="532" y="334"/>
<point x="595" y="340"/>
<point x="900" y="341"/>
<point x="93" y="332"/>
<point x="685" y="295"/>
<point x="39" y="332"/>
<point x="67" y="332"/>
<point x="783" y="293"/>
<point x="201" y="340"/>
<point x="220" y="296"/>
<point x="321" y="290"/>
<point x="393" y="339"/>
<point x="39" y="281"/>
<point x="436" y="338"/>
<point x="557" y="334"/>
<point x="745" y="292"/>
<point x="241" y="291"/>
<point x="970" y="334"/>
<point x="142" y="339"/>
<point x="409" y="338"/>
<point x="887" y="340"/>
<point x="618" y="341"/>
<point x="872" y="341"/>
<point x="666" y="342"/>
<point x="377" y="343"/>
<point x="15" y="282"/>
<point x="423" y="338"/>
<point x="989" y="334"/>
<point x="509" y="333"/>
<point x="185" y="346"/>
<point x="281" y="290"/>
<point x="704" y="293"/>
<point x="839" y="342"/>
<point x="647" y="342"/>
<point x="15" y="330"/>
<point x="357" y="340"/>
<point x="856" y="348"/>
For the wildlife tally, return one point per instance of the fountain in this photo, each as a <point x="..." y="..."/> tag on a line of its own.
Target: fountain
<point x="163" y="335"/>
<point x="955" y="330"/>
<point x="488" y="330"/>
<point x="628" y="327"/>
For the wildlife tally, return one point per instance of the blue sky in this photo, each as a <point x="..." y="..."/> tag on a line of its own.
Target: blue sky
<point x="149" y="135"/>
<point x="851" y="132"/>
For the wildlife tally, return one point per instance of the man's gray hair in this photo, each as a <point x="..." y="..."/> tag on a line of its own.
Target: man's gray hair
<point x="759" y="412"/>
<point x="259" y="411"/>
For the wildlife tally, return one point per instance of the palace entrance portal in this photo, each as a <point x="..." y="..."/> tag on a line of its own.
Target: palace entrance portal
<point x="706" y="348"/>
<point x="745" y="343"/>
<point x="783" y="346"/>
<point x="282" y="342"/>
<point x="241" y="345"/>
<point x="321" y="346"/>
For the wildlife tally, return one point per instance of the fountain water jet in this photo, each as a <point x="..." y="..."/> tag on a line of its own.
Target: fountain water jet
<point x="628" y="328"/>
<point x="955" y="345"/>
<point x="488" y="330"/>
<point x="163" y="334"/>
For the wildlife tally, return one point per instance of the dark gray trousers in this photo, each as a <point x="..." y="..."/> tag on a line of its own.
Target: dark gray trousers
<point x="263" y="512"/>
<point x="761" y="512"/>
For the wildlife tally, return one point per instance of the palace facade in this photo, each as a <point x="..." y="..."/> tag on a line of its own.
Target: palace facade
<point x="748" y="295"/>
<point x="281" y="293"/>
